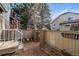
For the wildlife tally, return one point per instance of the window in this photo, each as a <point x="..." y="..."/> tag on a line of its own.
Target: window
<point x="1" y="10"/>
<point x="60" y="24"/>
<point x="53" y="24"/>
<point x="67" y="25"/>
<point x="70" y="18"/>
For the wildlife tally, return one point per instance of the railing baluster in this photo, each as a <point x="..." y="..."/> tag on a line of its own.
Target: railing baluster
<point x="11" y="34"/>
<point x="4" y="36"/>
<point x="8" y="35"/>
<point x="14" y="36"/>
<point x="17" y="36"/>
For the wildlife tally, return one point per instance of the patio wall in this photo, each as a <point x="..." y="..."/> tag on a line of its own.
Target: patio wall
<point x="30" y="34"/>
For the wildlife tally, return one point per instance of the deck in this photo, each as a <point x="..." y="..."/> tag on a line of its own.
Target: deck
<point x="8" y="47"/>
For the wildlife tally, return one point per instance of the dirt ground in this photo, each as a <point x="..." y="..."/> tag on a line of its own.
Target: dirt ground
<point x="31" y="49"/>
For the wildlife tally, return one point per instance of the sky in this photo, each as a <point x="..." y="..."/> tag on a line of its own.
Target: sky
<point x="58" y="8"/>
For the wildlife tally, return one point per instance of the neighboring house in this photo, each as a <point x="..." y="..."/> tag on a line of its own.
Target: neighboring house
<point x="9" y="37"/>
<point x="72" y="25"/>
<point x="5" y="14"/>
<point x="59" y="23"/>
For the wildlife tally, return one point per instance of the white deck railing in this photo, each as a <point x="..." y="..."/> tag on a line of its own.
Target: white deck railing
<point x="11" y="35"/>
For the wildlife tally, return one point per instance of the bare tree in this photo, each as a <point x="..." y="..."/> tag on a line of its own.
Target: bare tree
<point x="40" y="15"/>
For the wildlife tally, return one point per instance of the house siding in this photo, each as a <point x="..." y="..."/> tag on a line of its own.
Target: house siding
<point x="62" y="18"/>
<point x="6" y="15"/>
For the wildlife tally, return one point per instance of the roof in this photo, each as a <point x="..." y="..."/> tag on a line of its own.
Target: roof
<point x="2" y="7"/>
<point x="63" y="14"/>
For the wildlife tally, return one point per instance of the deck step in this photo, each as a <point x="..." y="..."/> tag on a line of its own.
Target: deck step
<point x="8" y="47"/>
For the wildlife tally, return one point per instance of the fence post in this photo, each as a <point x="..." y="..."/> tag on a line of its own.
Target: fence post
<point x="35" y="35"/>
<point x="42" y="38"/>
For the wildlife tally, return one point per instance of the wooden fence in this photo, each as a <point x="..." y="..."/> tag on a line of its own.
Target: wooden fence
<point x="68" y="41"/>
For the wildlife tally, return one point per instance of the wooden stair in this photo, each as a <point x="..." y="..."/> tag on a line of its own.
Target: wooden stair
<point x="8" y="47"/>
<point x="54" y="51"/>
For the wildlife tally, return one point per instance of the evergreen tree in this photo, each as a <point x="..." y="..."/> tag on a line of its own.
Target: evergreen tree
<point x="23" y="10"/>
<point x="27" y="11"/>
